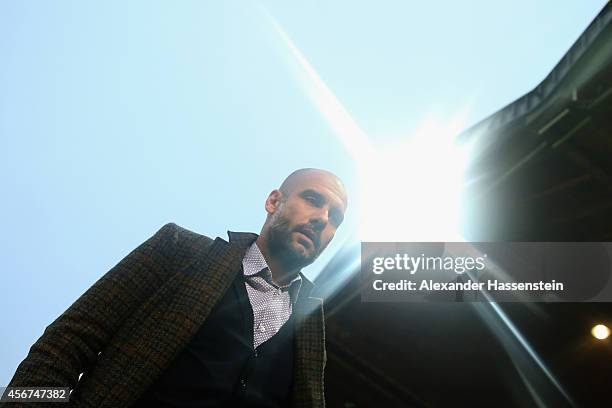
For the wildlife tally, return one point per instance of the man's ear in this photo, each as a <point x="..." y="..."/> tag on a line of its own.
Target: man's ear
<point x="274" y="201"/>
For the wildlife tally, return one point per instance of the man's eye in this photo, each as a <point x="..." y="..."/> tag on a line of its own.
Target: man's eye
<point x="311" y="199"/>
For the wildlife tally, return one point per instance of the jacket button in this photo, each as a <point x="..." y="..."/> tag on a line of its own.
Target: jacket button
<point x="256" y="354"/>
<point x="243" y="383"/>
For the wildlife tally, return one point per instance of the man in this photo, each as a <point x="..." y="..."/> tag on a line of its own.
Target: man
<point x="187" y="321"/>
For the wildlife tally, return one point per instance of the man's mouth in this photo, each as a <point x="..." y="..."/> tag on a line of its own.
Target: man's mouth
<point x="312" y="237"/>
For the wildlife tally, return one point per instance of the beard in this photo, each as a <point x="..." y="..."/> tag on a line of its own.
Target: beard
<point x="280" y="243"/>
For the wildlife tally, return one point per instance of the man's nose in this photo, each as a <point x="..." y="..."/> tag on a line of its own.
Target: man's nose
<point x="320" y="219"/>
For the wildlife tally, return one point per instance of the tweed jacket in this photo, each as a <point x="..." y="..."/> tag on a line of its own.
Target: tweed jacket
<point x="127" y="328"/>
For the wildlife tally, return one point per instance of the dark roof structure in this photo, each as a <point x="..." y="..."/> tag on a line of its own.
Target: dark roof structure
<point x="543" y="160"/>
<point x="541" y="171"/>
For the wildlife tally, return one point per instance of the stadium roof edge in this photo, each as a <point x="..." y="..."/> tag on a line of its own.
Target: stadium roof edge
<point x="590" y="53"/>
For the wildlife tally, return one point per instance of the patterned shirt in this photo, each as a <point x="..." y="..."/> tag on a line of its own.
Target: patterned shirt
<point x="272" y="305"/>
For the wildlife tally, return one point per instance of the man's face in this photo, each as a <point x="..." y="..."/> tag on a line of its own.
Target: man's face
<point x="306" y="218"/>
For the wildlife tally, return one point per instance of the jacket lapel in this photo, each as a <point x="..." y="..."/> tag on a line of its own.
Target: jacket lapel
<point x="168" y="321"/>
<point x="309" y="351"/>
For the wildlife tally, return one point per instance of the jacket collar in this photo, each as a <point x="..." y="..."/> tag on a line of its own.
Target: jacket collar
<point x="242" y="239"/>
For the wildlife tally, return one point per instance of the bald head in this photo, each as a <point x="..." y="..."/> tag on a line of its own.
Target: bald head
<point x="299" y="177"/>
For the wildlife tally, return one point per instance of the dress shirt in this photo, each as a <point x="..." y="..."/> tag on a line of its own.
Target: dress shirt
<point x="272" y="305"/>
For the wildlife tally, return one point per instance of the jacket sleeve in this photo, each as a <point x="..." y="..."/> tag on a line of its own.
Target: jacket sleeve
<point x="72" y="342"/>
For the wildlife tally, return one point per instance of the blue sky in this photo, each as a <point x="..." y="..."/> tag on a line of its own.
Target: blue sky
<point x="118" y="117"/>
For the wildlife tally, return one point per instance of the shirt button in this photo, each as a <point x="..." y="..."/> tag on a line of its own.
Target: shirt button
<point x="262" y="328"/>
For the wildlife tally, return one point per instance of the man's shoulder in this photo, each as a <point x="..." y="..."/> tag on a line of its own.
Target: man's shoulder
<point x="178" y="233"/>
<point x="187" y="242"/>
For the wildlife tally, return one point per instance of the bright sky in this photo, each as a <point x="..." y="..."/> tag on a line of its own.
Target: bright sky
<point x="118" y="117"/>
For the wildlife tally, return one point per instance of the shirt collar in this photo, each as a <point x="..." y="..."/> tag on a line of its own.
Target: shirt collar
<point x="254" y="263"/>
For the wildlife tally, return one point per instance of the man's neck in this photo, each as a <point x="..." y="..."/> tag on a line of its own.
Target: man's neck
<point x="281" y="274"/>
